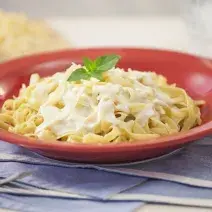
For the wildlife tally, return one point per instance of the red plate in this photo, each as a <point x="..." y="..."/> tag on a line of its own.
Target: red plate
<point x="191" y="73"/>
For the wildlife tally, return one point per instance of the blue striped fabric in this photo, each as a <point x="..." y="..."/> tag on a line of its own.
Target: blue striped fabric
<point x="41" y="204"/>
<point x="184" y="178"/>
<point x="89" y="182"/>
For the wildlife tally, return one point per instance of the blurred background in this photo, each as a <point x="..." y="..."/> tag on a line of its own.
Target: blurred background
<point x="182" y="25"/>
<point x="77" y="8"/>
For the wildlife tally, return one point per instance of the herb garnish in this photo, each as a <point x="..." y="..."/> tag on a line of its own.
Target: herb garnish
<point x="94" y="68"/>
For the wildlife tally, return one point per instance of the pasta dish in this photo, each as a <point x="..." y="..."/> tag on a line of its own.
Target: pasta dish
<point x="99" y="103"/>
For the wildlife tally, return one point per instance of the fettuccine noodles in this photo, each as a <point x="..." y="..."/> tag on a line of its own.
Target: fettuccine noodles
<point x="125" y="107"/>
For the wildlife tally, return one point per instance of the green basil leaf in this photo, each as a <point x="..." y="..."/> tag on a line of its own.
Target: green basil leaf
<point x="89" y="64"/>
<point x="104" y="63"/>
<point x="94" y="68"/>
<point x="79" y="74"/>
<point x="97" y="75"/>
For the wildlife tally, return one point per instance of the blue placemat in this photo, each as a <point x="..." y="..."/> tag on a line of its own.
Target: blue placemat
<point x="183" y="178"/>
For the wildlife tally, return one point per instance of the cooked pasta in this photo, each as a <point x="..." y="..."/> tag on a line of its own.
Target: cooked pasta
<point x="20" y="35"/>
<point x="124" y="107"/>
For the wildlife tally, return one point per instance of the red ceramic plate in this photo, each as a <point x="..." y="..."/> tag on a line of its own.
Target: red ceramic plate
<point x="191" y="73"/>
